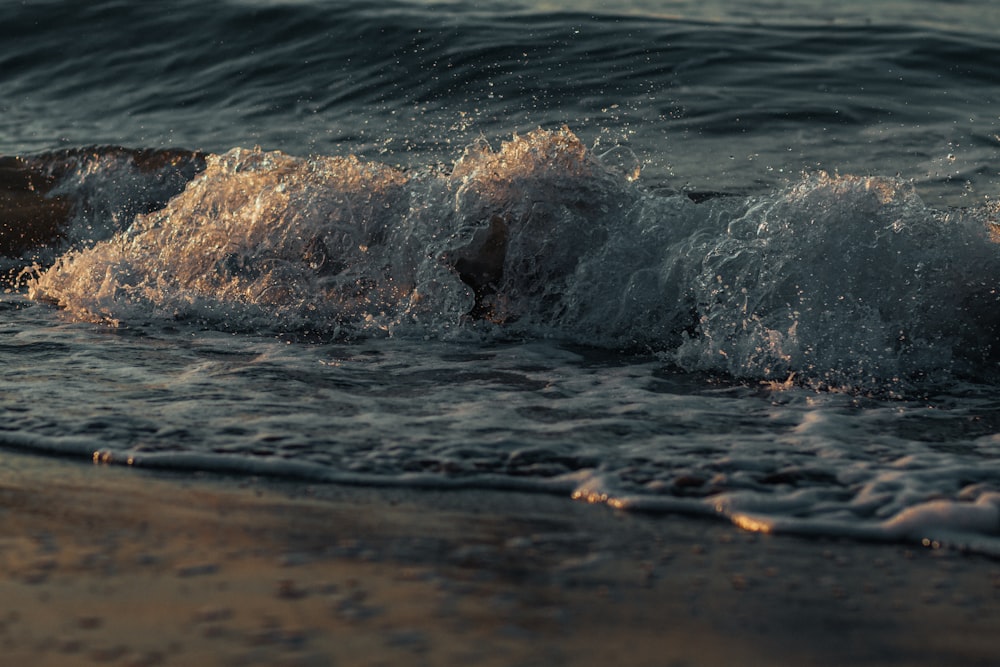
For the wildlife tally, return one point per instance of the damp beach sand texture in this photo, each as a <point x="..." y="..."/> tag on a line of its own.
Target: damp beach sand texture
<point x="113" y="567"/>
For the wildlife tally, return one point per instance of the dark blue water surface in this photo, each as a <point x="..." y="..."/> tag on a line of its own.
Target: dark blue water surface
<point x="716" y="96"/>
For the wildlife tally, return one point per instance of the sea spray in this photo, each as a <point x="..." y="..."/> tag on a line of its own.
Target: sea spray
<point x="832" y="281"/>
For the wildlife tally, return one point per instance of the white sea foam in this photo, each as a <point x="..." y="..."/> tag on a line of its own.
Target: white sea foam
<point x="833" y="281"/>
<point x="537" y="416"/>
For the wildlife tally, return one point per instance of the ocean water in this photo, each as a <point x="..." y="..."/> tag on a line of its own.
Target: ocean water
<point x="737" y="260"/>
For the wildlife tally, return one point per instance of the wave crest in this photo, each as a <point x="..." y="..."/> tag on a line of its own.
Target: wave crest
<point x="834" y="280"/>
<point x="847" y="279"/>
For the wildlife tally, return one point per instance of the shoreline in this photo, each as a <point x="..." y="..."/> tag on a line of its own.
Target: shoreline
<point x="119" y="566"/>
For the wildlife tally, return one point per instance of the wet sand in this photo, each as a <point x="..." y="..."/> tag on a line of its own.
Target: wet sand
<point x="113" y="566"/>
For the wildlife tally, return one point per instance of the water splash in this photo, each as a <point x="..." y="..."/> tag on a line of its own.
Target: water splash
<point x="832" y="281"/>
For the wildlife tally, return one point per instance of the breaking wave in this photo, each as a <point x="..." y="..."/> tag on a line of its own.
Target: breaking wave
<point x="833" y="280"/>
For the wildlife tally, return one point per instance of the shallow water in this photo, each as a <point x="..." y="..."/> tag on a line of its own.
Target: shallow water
<point x="538" y="416"/>
<point x="651" y="308"/>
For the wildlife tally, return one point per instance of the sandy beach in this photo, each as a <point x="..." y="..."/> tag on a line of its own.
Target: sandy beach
<point x="114" y="566"/>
